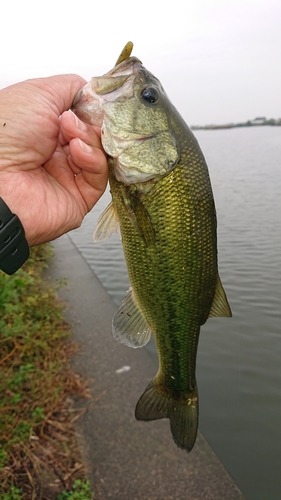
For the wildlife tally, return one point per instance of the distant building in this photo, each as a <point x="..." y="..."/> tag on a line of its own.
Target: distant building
<point x="260" y="120"/>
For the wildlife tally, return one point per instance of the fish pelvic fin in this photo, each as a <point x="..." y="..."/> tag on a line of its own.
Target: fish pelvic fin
<point x="220" y="305"/>
<point x="156" y="403"/>
<point x="129" y="326"/>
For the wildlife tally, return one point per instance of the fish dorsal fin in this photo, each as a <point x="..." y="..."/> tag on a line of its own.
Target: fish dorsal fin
<point x="220" y="305"/>
<point x="107" y="224"/>
<point x="129" y="325"/>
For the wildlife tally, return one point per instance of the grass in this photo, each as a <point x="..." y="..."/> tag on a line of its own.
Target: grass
<point x="39" y="459"/>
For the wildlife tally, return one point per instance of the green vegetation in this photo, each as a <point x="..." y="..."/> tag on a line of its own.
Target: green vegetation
<point x="80" y="491"/>
<point x="38" y="452"/>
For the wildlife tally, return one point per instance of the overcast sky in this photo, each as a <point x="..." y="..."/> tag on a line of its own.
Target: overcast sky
<point x="219" y="60"/>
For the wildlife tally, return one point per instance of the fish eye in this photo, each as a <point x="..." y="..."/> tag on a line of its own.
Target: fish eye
<point x="150" y="95"/>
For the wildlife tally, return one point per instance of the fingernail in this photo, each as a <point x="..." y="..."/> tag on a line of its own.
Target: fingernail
<point x="85" y="147"/>
<point x="79" y="124"/>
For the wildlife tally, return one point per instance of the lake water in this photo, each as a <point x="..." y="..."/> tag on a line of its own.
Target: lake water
<point x="239" y="359"/>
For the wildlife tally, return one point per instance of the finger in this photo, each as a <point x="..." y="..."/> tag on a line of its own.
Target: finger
<point x="92" y="178"/>
<point x="71" y="126"/>
<point x="89" y="158"/>
<point x="61" y="89"/>
<point x="73" y="167"/>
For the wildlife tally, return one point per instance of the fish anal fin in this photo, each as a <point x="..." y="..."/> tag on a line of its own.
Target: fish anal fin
<point x="156" y="403"/>
<point x="129" y="325"/>
<point x="220" y="305"/>
<point x="107" y="224"/>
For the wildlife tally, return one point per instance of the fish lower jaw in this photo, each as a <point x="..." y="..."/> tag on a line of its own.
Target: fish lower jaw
<point x="131" y="176"/>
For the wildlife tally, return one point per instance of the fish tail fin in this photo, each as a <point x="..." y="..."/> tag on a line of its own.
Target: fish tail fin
<point x="156" y="403"/>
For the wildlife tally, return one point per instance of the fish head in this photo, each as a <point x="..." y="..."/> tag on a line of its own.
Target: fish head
<point x="136" y="120"/>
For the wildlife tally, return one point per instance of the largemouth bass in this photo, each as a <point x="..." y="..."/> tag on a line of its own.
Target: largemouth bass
<point x="162" y="200"/>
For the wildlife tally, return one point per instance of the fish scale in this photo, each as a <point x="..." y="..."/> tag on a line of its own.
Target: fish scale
<point x="171" y="270"/>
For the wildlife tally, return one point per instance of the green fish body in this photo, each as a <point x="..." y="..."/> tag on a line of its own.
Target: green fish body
<point x="162" y="200"/>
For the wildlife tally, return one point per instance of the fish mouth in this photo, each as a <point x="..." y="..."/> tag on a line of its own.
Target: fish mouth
<point x="117" y="83"/>
<point x="77" y="99"/>
<point x="130" y="65"/>
<point x="87" y="108"/>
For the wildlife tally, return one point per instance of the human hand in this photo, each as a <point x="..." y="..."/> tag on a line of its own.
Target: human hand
<point x="52" y="166"/>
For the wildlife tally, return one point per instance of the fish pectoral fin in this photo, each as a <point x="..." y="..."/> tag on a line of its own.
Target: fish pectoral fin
<point x="220" y="305"/>
<point x="107" y="224"/>
<point x="140" y="218"/>
<point x="129" y="325"/>
<point x="156" y="403"/>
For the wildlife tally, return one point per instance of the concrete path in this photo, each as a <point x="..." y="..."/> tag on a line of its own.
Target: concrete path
<point x="126" y="459"/>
